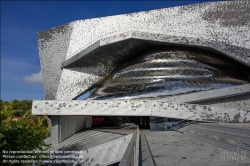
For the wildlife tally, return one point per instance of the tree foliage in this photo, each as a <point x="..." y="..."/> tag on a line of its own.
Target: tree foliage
<point x="27" y="133"/>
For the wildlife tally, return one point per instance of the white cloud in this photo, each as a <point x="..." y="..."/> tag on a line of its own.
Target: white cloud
<point x="33" y="79"/>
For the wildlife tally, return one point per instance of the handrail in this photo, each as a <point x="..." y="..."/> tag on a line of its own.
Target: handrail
<point x="181" y="121"/>
<point x="191" y="122"/>
<point x="194" y="121"/>
<point x="131" y="155"/>
<point x="201" y="121"/>
<point x="185" y="119"/>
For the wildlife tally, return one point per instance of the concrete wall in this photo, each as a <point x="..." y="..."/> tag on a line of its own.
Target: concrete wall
<point x="88" y="121"/>
<point x="66" y="126"/>
<point x="140" y="108"/>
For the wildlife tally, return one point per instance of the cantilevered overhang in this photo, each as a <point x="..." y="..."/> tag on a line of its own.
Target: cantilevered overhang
<point x="118" y="48"/>
<point x="110" y="53"/>
<point x="140" y="108"/>
<point x="172" y="107"/>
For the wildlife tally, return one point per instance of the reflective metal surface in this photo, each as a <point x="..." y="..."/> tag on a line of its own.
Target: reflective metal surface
<point x="170" y="71"/>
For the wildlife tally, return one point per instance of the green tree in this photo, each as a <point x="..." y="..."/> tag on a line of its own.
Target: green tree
<point x="20" y="107"/>
<point x="25" y="134"/>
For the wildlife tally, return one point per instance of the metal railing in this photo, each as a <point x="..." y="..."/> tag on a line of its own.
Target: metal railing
<point x="188" y="123"/>
<point x="131" y="155"/>
<point x="178" y="123"/>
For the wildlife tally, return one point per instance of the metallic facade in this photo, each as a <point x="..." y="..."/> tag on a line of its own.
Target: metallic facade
<point x="171" y="71"/>
<point x="76" y="56"/>
<point x="180" y="62"/>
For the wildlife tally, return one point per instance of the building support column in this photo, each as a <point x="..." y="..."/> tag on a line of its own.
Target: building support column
<point x="65" y="126"/>
<point x="55" y="129"/>
<point x="88" y="121"/>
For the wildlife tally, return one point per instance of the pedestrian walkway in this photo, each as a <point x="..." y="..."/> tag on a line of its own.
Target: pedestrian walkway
<point x="163" y="148"/>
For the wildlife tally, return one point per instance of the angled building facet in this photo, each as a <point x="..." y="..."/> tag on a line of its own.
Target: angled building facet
<point x="181" y="62"/>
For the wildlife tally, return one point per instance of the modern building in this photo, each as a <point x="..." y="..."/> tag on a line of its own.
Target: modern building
<point x="189" y="62"/>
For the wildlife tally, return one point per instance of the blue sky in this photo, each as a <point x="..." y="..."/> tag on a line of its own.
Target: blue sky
<point x="20" y="22"/>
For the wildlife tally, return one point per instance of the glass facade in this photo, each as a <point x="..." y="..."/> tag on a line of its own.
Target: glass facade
<point x="148" y="123"/>
<point x="167" y="124"/>
<point x="120" y="122"/>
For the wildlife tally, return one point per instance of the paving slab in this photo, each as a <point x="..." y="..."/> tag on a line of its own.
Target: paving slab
<point x="160" y="148"/>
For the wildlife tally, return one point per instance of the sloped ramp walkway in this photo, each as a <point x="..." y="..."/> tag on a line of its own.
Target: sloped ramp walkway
<point x="170" y="148"/>
<point x="97" y="147"/>
<point x="87" y="139"/>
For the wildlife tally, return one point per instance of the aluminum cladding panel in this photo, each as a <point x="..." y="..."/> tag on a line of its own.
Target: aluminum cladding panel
<point x="226" y="21"/>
